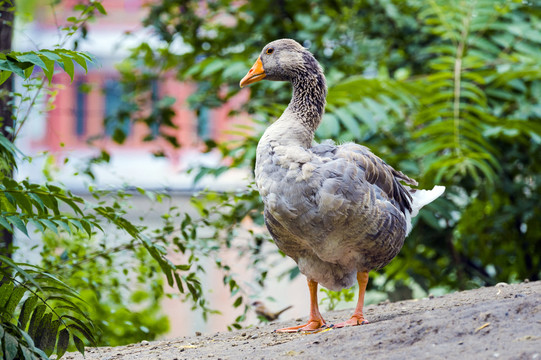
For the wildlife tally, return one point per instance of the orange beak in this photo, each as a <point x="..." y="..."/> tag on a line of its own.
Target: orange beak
<point x="255" y="74"/>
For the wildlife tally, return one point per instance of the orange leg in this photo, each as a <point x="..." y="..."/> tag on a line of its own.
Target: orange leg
<point x="315" y="320"/>
<point x="357" y="318"/>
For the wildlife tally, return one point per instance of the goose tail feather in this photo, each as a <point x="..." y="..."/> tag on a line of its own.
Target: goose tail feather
<point x="421" y="198"/>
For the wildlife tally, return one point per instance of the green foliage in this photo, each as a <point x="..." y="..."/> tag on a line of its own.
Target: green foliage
<point x="23" y="63"/>
<point x="479" y="110"/>
<point x="483" y="57"/>
<point x="8" y="153"/>
<point x="130" y="310"/>
<point x="40" y="314"/>
<point x="333" y="298"/>
<point x="23" y="203"/>
<point x="72" y="224"/>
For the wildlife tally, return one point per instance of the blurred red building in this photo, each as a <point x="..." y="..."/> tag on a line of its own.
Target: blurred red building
<point x="80" y="107"/>
<point x="78" y="115"/>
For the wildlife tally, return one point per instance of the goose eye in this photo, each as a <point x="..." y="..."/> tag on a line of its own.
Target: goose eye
<point x="269" y="51"/>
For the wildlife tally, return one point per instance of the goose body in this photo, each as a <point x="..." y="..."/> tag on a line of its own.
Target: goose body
<point x="323" y="212"/>
<point x="338" y="210"/>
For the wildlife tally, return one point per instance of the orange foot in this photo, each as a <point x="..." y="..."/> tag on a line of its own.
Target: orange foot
<point x="311" y="326"/>
<point x="354" y="321"/>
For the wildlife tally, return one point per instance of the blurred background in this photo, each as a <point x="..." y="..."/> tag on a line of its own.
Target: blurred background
<point x="153" y="140"/>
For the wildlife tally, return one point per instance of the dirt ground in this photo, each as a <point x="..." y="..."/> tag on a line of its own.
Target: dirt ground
<point x="501" y="322"/>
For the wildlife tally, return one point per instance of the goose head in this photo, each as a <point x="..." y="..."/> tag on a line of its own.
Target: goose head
<point x="287" y="60"/>
<point x="282" y="60"/>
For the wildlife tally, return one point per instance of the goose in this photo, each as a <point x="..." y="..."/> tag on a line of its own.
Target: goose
<point x="338" y="211"/>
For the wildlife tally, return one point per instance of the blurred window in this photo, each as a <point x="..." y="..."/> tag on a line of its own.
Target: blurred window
<point x="203" y="123"/>
<point x="154" y="97"/>
<point x="115" y="116"/>
<point x="80" y="108"/>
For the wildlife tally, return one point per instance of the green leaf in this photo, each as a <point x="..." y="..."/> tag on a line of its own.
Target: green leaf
<point x="4" y="223"/>
<point x="32" y="58"/>
<point x="48" y="70"/>
<point x="60" y="285"/>
<point x="79" y="344"/>
<point x="29" y="342"/>
<point x="23" y="202"/>
<point x="71" y="203"/>
<point x="64" y="224"/>
<point x="16" y="221"/>
<point x="48" y="340"/>
<point x="37" y="201"/>
<point x="51" y="55"/>
<point x="237" y="302"/>
<point x="367" y="117"/>
<point x="41" y="331"/>
<point x="81" y="61"/>
<point x="11" y="346"/>
<point x="87" y="226"/>
<point x="5" y="292"/>
<point x="100" y="7"/>
<point x="26" y="311"/>
<point x="62" y="343"/>
<point x="9" y="146"/>
<point x="4" y="75"/>
<point x="12" y="65"/>
<point x="80" y="326"/>
<point x="77" y="224"/>
<point x="35" y="320"/>
<point x="37" y="224"/>
<point x="49" y="224"/>
<point x="68" y="66"/>
<point x="27" y="354"/>
<point x="178" y="281"/>
<point x="14" y="299"/>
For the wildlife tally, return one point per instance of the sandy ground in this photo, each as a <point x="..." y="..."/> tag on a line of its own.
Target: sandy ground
<point x="501" y="322"/>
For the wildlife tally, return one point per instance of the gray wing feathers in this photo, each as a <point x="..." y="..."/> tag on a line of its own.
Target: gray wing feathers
<point x="375" y="170"/>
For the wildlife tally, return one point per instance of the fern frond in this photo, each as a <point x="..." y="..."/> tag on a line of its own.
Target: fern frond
<point x="473" y="69"/>
<point x="39" y="312"/>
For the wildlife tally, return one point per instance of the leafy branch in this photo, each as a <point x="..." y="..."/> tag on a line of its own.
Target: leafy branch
<point x="456" y="106"/>
<point x="49" y="317"/>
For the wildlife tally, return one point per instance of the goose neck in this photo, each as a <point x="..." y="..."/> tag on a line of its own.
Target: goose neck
<point x="308" y="100"/>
